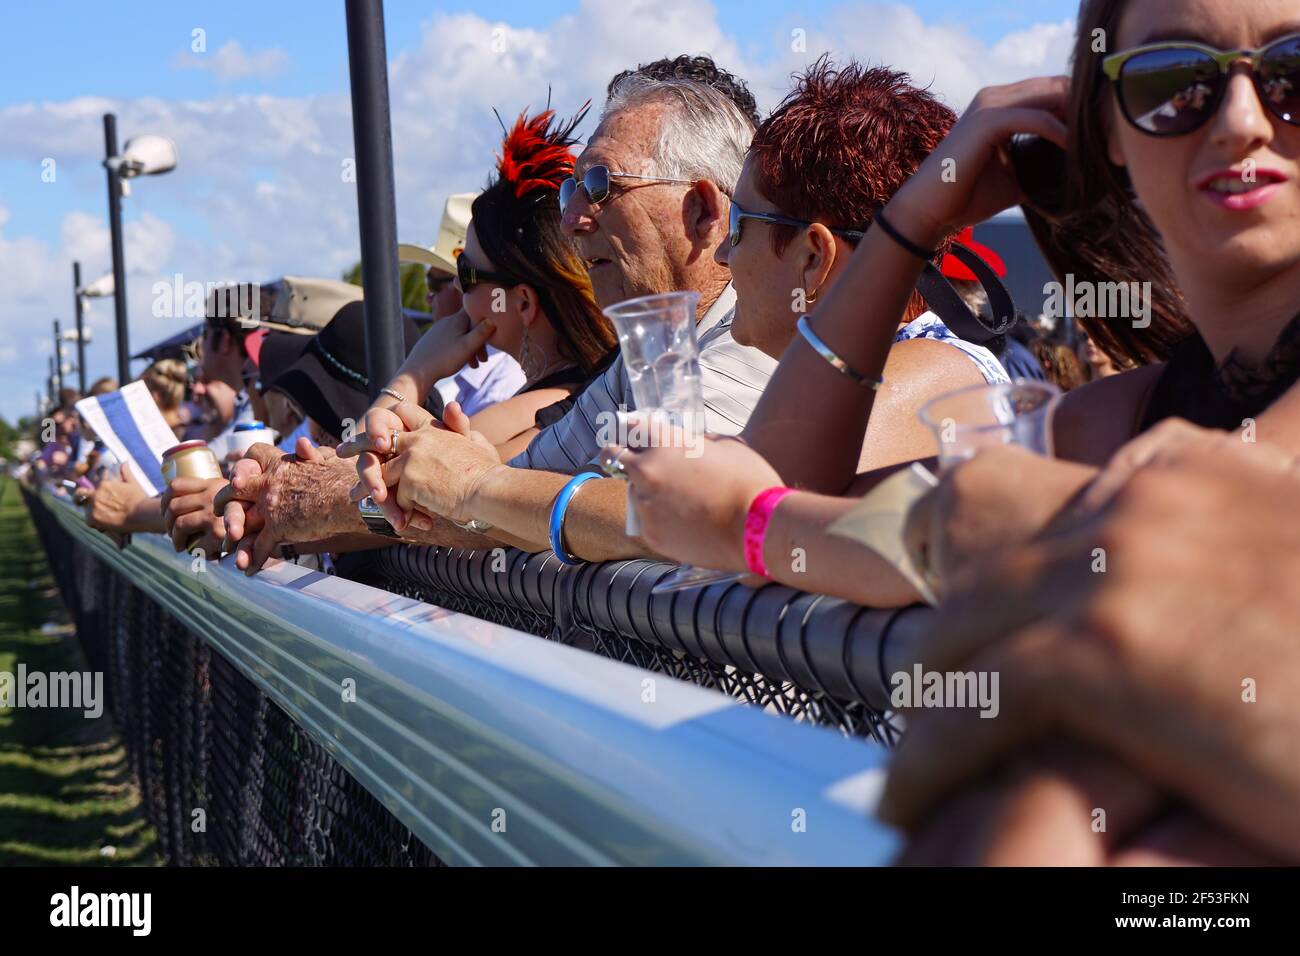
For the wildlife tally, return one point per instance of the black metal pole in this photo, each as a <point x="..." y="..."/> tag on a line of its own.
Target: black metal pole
<point x="119" y="267"/>
<point x="58" y="357"/>
<point x="372" y="139"/>
<point x="50" y="383"/>
<point x="81" y="328"/>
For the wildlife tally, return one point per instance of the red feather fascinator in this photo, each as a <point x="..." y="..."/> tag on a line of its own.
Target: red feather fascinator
<point x="537" y="153"/>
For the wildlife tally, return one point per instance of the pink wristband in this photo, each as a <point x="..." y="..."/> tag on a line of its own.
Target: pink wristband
<point x="756" y="522"/>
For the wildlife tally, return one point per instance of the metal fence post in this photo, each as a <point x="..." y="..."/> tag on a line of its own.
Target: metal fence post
<point x="376" y="203"/>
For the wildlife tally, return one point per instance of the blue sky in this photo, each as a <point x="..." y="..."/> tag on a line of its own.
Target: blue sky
<point x="261" y="118"/>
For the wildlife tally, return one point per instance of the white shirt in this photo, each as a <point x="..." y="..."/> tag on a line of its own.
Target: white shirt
<point x="495" y="380"/>
<point x="732" y="377"/>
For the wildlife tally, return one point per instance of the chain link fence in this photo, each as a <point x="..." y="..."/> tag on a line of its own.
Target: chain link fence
<point x="807" y="656"/>
<point x="228" y="777"/>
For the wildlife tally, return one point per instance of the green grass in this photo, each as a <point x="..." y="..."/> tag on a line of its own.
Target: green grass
<point x="66" y="795"/>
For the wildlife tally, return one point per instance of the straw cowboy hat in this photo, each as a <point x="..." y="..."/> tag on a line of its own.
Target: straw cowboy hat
<point x="451" y="237"/>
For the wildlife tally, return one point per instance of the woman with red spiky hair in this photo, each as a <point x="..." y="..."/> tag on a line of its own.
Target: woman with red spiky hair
<point x="525" y="291"/>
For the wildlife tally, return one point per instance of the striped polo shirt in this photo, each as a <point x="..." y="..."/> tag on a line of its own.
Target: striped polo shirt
<point x="732" y="377"/>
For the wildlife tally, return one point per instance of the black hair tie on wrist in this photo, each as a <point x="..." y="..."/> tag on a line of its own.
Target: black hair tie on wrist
<point x="902" y="240"/>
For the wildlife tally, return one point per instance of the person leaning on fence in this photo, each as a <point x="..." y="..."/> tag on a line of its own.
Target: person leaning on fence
<point x="119" y="504"/>
<point x="1144" y="718"/>
<point x="479" y="384"/>
<point x="819" y="170"/>
<point x="1223" y="267"/>
<point x="1225" y="287"/>
<point x="647" y="235"/>
<point x="524" y="292"/>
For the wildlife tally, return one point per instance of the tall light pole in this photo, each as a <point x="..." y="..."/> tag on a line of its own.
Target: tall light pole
<point x="372" y="139"/>
<point x="81" y="333"/>
<point x="143" y="156"/>
<point x="58" y="357"/>
<point x="115" y="231"/>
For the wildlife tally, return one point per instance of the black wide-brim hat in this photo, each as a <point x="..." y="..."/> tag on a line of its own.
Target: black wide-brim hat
<point x="326" y="373"/>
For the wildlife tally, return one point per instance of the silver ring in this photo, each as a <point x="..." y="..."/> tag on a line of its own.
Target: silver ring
<point x="613" y="465"/>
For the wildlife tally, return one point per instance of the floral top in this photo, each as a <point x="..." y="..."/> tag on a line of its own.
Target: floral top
<point x="930" y="326"/>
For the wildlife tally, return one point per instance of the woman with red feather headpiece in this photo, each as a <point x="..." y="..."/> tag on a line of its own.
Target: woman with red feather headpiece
<point x="525" y="291"/>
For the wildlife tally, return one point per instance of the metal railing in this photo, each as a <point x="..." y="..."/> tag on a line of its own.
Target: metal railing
<point x="317" y="720"/>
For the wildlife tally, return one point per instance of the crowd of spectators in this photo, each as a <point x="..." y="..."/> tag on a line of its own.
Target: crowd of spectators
<point x="820" y="240"/>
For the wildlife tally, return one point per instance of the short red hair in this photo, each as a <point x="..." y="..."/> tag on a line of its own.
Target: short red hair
<point x="841" y="143"/>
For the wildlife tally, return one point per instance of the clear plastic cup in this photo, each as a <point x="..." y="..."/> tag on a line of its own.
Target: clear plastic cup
<point x="972" y="419"/>
<point x="656" y="334"/>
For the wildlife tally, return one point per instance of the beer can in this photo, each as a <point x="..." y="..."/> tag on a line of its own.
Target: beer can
<point x="190" y="459"/>
<point x="248" y="434"/>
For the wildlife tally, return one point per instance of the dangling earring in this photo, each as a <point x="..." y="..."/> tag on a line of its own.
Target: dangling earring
<point x="526" y="355"/>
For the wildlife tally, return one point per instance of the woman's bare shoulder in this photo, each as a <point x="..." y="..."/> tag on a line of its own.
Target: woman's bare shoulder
<point x="1094" y="420"/>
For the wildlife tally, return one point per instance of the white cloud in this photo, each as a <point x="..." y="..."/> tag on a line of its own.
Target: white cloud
<point x="951" y="61"/>
<point x="230" y="62"/>
<point x="259" y="189"/>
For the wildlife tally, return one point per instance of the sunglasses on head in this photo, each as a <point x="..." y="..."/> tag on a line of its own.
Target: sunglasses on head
<point x="738" y="217"/>
<point x="468" y="276"/>
<point x="596" y="181"/>
<point x="1171" y="89"/>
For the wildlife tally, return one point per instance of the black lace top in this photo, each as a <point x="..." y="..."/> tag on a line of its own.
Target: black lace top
<point x="1193" y="387"/>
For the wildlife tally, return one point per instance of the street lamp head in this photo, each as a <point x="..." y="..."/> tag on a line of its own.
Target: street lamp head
<point x="100" y="288"/>
<point x="147" y="156"/>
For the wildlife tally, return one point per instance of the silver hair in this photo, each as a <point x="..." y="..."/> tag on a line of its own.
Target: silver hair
<point x="703" y="134"/>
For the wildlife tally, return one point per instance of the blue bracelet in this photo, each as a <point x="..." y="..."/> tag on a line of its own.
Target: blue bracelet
<point x="557" y="514"/>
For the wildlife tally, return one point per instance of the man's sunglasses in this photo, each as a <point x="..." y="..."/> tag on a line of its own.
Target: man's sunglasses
<point x="437" y="281"/>
<point x="738" y="217"/>
<point x="1171" y="89"/>
<point x="597" y="181"/>
<point x="468" y="276"/>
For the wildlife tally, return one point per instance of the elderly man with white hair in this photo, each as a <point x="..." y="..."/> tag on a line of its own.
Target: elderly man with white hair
<point x="647" y="205"/>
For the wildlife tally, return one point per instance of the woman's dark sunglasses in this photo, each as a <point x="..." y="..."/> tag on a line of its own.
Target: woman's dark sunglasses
<point x="738" y="217"/>
<point x="596" y="181"/>
<point x="468" y="276"/>
<point x="1171" y="89"/>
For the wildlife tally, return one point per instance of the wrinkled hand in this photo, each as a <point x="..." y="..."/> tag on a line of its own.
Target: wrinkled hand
<point x="999" y="498"/>
<point x="436" y="471"/>
<point x="691" y="502"/>
<point x="188" y="516"/>
<point x="1153" y="660"/>
<point x="274" y="499"/>
<point x="114" y="499"/>
<point x="373" y="445"/>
